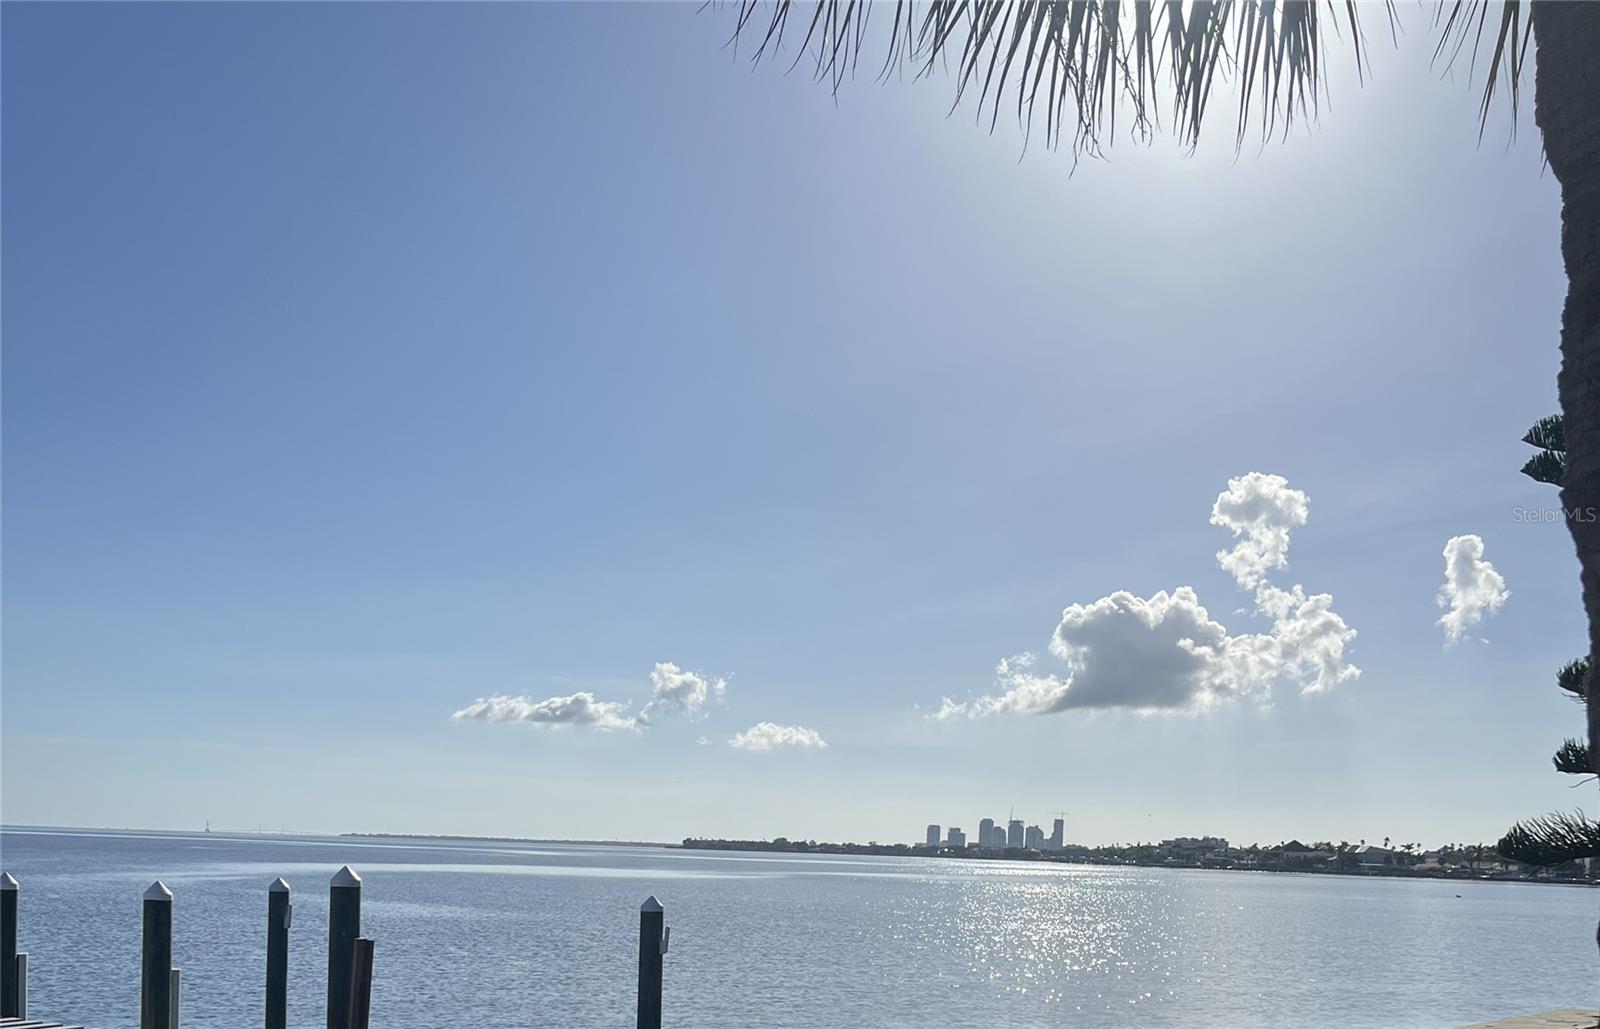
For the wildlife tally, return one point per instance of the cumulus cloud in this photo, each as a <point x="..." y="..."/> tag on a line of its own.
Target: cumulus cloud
<point x="1306" y="645"/>
<point x="1260" y="510"/>
<point x="770" y="736"/>
<point x="1167" y="653"/>
<point x="578" y="709"/>
<point x="1472" y="589"/>
<point x="674" y="691"/>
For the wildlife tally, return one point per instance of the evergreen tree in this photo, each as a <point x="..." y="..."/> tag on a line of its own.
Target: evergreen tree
<point x="1556" y="838"/>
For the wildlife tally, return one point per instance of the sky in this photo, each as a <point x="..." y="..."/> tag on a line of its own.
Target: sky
<point x="534" y="421"/>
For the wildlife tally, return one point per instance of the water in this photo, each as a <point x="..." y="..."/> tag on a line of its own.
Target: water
<point x="546" y="935"/>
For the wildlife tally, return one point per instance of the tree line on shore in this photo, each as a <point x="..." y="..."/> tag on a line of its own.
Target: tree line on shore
<point x="1476" y="860"/>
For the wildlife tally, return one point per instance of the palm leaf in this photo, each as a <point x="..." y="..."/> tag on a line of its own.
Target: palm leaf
<point x="1089" y="59"/>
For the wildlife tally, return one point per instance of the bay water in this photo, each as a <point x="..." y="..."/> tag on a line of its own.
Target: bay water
<point x="546" y="935"/>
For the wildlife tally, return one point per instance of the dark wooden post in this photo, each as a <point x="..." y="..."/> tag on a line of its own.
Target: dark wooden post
<point x="361" y="984"/>
<point x="155" y="973"/>
<point x="176" y="993"/>
<point x="8" y="947"/>
<point x="344" y="925"/>
<point x="652" y="921"/>
<point x="22" y="986"/>
<point x="278" y="955"/>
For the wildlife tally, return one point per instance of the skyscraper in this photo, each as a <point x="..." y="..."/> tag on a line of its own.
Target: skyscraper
<point x="1033" y="838"/>
<point x="986" y="833"/>
<point x="1058" y="833"/>
<point x="956" y="840"/>
<point x="1014" y="833"/>
<point x="933" y="835"/>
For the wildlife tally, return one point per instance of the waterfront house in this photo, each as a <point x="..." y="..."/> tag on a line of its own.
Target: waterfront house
<point x="1374" y="857"/>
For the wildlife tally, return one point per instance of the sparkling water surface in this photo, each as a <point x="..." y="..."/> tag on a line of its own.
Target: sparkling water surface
<point x="541" y="935"/>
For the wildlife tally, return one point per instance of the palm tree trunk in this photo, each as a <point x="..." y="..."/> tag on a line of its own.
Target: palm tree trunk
<point x="1567" y="108"/>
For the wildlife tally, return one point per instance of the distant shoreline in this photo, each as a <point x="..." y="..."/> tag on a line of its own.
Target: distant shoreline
<point x="1089" y="856"/>
<point x="1123" y="857"/>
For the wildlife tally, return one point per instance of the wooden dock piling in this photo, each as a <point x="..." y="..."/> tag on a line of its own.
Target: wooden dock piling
<point x="278" y="916"/>
<point x="155" y="970"/>
<point x="361" y="984"/>
<point x="350" y="959"/>
<point x="652" y="947"/>
<point x="344" y="926"/>
<point x="8" y="947"/>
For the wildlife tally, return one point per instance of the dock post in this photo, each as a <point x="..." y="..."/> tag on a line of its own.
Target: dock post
<point x="361" y="984"/>
<point x="22" y="986"/>
<point x="278" y="955"/>
<point x="176" y="992"/>
<point x="8" y="946"/>
<point x="344" y="925"/>
<point x="652" y="943"/>
<point x="155" y="971"/>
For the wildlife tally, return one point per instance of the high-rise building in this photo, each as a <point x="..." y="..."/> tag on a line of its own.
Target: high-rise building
<point x="986" y="833"/>
<point x="933" y="835"/>
<point x="1033" y="838"/>
<point x="956" y="840"/>
<point x="1014" y="833"/>
<point x="1058" y="835"/>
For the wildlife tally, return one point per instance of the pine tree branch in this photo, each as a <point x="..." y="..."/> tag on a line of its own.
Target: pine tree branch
<point x="1573" y="758"/>
<point x="1546" y="466"/>
<point x="1551" y="839"/>
<point x="1547" y="434"/>
<point x="1573" y="675"/>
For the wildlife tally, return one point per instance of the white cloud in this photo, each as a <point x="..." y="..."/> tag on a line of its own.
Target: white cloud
<point x="1307" y="641"/>
<point x="1472" y="589"/>
<point x="672" y="691"/>
<point x="1167" y="653"/>
<point x="769" y="736"/>
<point x="1260" y="509"/>
<point x="677" y="692"/>
<point x="578" y="709"/>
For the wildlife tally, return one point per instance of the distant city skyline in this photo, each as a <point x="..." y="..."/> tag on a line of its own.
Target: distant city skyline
<point x="994" y="836"/>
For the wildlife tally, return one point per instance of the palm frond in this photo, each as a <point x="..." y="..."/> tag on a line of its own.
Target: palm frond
<point x="1551" y="839"/>
<point x="1466" y="21"/>
<point x="1573" y="758"/>
<point x="1086" y="60"/>
<point x="1547" y="434"/>
<point x="1548" y="466"/>
<point x="1573" y="676"/>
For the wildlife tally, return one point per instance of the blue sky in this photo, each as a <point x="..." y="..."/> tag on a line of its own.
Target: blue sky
<point x="362" y="362"/>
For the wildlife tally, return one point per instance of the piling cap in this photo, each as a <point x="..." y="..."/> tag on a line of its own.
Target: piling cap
<point x="650" y="904"/>
<point x="158" y="891"/>
<point x="345" y="876"/>
<point x="279" y="885"/>
<point x="8" y="882"/>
